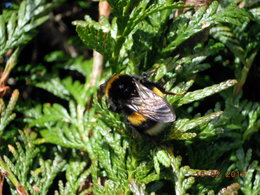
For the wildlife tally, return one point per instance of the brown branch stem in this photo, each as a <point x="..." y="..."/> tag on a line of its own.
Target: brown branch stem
<point x="98" y="59"/>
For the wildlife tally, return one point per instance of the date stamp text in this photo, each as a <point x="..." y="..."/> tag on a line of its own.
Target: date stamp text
<point x="217" y="173"/>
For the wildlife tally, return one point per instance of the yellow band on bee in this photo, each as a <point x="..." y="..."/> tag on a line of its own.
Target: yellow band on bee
<point x="136" y="119"/>
<point x="157" y="91"/>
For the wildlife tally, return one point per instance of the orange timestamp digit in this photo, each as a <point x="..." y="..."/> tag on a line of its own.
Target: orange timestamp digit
<point x="216" y="174"/>
<point x="235" y="174"/>
<point x="213" y="173"/>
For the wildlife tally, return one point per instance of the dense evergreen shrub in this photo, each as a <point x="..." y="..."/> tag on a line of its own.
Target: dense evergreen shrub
<point x="57" y="138"/>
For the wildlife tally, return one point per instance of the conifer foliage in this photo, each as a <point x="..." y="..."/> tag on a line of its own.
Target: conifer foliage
<point x="72" y="144"/>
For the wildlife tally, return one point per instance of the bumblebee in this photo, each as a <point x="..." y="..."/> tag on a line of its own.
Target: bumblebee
<point x="141" y="101"/>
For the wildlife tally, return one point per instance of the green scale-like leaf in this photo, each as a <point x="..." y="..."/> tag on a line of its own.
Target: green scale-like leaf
<point x="93" y="35"/>
<point x="183" y="125"/>
<point x="18" y="172"/>
<point x="202" y="93"/>
<point x="20" y="27"/>
<point x="6" y="112"/>
<point x="183" y="28"/>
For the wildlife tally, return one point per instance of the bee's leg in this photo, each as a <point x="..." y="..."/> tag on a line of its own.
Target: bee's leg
<point x="146" y="75"/>
<point x="100" y="93"/>
<point x="135" y="133"/>
<point x="113" y="107"/>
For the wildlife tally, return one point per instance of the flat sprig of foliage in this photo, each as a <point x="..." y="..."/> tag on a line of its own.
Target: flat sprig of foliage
<point x="21" y="26"/>
<point x="95" y="150"/>
<point x="20" y="172"/>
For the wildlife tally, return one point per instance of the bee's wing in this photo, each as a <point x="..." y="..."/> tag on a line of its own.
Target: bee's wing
<point x="151" y="105"/>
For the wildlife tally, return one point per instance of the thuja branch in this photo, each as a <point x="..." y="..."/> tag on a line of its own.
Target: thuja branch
<point x="7" y="173"/>
<point x="6" y="114"/>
